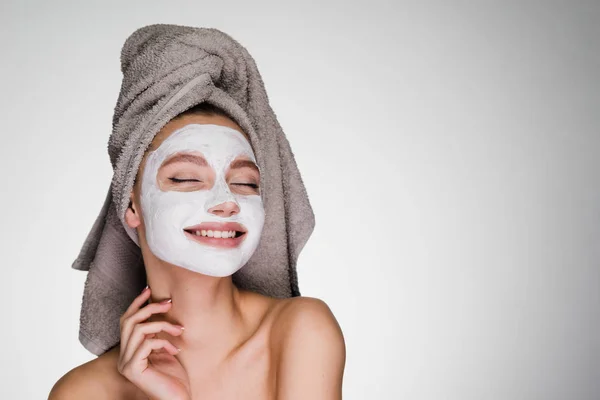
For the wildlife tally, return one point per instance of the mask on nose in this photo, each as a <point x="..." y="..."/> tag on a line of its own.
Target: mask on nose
<point x="167" y="212"/>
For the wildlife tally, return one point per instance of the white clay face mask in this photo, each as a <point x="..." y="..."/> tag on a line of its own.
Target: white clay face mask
<point x="213" y="230"/>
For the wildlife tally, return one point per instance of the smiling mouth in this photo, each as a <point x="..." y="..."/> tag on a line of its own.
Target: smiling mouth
<point x="215" y="233"/>
<point x="225" y="235"/>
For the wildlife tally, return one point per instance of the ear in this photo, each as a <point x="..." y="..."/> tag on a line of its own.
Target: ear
<point x="132" y="215"/>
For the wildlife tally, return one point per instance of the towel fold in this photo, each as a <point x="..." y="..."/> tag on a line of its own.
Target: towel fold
<point x="167" y="69"/>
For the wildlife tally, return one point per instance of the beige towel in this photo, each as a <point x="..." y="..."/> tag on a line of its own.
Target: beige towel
<point x="168" y="69"/>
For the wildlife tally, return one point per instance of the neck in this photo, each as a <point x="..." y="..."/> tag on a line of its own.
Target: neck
<point x="209" y="308"/>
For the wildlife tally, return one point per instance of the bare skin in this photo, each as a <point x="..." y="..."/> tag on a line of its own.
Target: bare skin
<point x="235" y="343"/>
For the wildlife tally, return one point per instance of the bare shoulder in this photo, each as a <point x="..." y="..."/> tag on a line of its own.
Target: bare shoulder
<point x="97" y="379"/>
<point x="310" y="349"/>
<point x="305" y="313"/>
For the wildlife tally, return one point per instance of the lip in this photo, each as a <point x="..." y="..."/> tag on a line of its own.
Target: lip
<point x="217" y="226"/>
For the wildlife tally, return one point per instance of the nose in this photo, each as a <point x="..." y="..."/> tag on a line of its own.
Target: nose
<point x="225" y="209"/>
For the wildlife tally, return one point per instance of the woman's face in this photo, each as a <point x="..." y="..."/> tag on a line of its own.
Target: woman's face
<point x="199" y="196"/>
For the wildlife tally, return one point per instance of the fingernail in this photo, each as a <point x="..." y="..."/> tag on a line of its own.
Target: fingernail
<point x="180" y="327"/>
<point x="165" y="301"/>
<point x="146" y="288"/>
<point x="178" y="349"/>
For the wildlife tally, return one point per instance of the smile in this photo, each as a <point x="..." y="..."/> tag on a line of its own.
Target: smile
<point x="217" y="234"/>
<point x="226" y="235"/>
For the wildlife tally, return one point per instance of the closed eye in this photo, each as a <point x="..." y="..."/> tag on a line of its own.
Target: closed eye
<point x="252" y="185"/>
<point x="184" y="180"/>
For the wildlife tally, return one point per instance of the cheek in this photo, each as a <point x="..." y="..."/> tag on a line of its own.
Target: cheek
<point x="252" y="210"/>
<point x="174" y="206"/>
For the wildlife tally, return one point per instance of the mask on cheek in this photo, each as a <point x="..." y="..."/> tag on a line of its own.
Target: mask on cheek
<point x="167" y="213"/>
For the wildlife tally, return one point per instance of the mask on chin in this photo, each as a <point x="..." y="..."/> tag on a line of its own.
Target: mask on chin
<point x="170" y="211"/>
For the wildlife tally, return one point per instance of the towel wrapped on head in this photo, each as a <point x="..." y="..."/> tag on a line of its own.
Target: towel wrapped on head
<point x="168" y="69"/>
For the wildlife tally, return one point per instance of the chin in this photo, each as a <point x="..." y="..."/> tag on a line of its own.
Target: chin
<point x="221" y="273"/>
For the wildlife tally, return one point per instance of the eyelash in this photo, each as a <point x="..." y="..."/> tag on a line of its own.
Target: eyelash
<point x="252" y="185"/>
<point x="184" y="180"/>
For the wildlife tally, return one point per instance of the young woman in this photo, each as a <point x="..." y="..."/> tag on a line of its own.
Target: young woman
<point x="201" y="337"/>
<point x="207" y="202"/>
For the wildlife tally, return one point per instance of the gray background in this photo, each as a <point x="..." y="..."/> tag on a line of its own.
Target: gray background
<point x="451" y="151"/>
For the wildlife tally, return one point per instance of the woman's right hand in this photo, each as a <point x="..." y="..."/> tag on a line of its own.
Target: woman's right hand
<point x="162" y="377"/>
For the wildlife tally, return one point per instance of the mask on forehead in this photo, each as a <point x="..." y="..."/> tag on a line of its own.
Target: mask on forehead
<point x="167" y="213"/>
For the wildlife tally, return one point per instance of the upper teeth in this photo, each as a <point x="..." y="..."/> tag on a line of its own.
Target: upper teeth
<point x="217" y="234"/>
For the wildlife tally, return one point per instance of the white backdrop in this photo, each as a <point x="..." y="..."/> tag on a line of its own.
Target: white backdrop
<point x="451" y="152"/>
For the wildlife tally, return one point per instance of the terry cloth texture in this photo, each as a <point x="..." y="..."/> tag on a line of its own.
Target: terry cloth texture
<point x="168" y="69"/>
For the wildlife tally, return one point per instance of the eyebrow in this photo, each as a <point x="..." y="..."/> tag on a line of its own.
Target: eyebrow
<point x="199" y="160"/>
<point x="183" y="157"/>
<point x="243" y="164"/>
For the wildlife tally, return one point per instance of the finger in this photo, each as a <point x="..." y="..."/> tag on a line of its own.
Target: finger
<point x="148" y="330"/>
<point x="133" y="307"/>
<point x="139" y="361"/>
<point x="140" y="316"/>
<point x="137" y="303"/>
